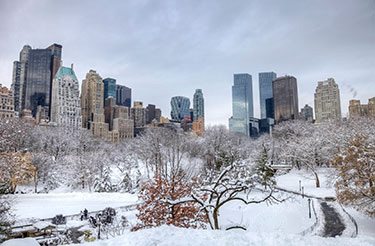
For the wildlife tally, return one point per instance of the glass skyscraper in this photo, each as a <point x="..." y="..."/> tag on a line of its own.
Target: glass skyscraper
<point x="123" y="96"/>
<point x="265" y="91"/>
<point x="242" y="103"/>
<point x="180" y="108"/>
<point x="198" y="104"/>
<point x="109" y="88"/>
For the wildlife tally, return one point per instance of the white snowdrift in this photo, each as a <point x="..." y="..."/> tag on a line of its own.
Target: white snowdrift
<point x="168" y="235"/>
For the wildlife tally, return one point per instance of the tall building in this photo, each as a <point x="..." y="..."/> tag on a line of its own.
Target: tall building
<point x="242" y="103"/>
<point x="92" y="104"/>
<point x="109" y="88"/>
<point x="307" y="113"/>
<point x="270" y="108"/>
<point x="42" y="65"/>
<point x="6" y="103"/>
<point x="138" y="114"/>
<point x="180" y="108"/>
<point x="198" y="104"/>
<point x="265" y="91"/>
<point x="356" y="109"/>
<point x="123" y="96"/>
<point x="19" y="79"/>
<point x="150" y="113"/>
<point x="117" y="117"/>
<point x="66" y="103"/>
<point x="285" y="98"/>
<point x="327" y="101"/>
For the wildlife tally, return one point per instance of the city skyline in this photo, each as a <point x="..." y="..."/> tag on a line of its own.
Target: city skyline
<point x="185" y="44"/>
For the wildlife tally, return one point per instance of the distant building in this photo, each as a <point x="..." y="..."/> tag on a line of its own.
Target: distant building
<point x="356" y="109"/>
<point x="254" y="127"/>
<point x="123" y="96"/>
<point x="92" y="105"/>
<point x="32" y="77"/>
<point x="150" y="113"/>
<point x="109" y="88"/>
<point x="198" y="112"/>
<point x="6" y="103"/>
<point x="307" y="113"/>
<point x="270" y="109"/>
<point x="117" y="117"/>
<point x="265" y="91"/>
<point x="158" y="114"/>
<point x="138" y="114"/>
<point x="180" y="108"/>
<point x="327" y="101"/>
<point x="66" y="103"/>
<point x="242" y="103"/>
<point x="285" y="98"/>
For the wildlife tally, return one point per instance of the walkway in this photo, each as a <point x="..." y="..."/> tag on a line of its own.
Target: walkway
<point x="333" y="224"/>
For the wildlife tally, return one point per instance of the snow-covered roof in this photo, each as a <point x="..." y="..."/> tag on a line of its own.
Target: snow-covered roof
<point x="21" y="242"/>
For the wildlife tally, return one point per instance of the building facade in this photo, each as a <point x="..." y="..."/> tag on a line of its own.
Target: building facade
<point x="265" y="91"/>
<point x="6" y="103"/>
<point x="180" y="108"/>
<point x="92" y="94"/>
<point x="356" y="109"/>
<point x="123" y="96"/>
<point x="327" y="101"/>
<point x="198" y="105"/>
<point x="285" y="98"/>
<point x="109" y="88"/>
<point x="32" y="78"/>
<point x="242" y="104"/>
<point x="66" y="103"/>
<point x="307" y="113"/>
<point x="138" y="115"/>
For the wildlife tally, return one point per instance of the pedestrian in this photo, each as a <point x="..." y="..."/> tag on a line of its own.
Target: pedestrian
<point x="85" y="213"/>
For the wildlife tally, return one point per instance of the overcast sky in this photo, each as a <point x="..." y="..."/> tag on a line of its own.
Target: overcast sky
<point x="166" y="48"/>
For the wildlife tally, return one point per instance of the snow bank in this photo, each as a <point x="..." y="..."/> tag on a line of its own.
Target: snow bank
<point x="167" y="235"/>
<point x="21" y="242"/>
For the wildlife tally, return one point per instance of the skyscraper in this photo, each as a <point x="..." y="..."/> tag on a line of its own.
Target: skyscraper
<point x="180" y="108"/>
<point x="150" y="113"/>
<point x="265" y="91"/>
<point x="109" y="88"/>
<point x="123" y="96"/>
<point x="32" y="77"/>
<point x="327" y="101"/>
<point x="65" y="103"/>
<point x="285" y="98"/>
<point x="307" y="113"/>
<point x="198" y="105"/>
<point x="92" y="103"/>
<point x="242" y="103"/>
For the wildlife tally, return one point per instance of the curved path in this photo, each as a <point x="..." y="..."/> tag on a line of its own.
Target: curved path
<point x="333" y="224"/>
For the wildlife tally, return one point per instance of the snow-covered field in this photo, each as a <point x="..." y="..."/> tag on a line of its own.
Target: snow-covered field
<point x="167" y="235"/>
<point x="51" y="204"/>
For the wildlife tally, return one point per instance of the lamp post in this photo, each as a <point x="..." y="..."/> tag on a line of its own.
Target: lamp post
<point x="309" y="201"/>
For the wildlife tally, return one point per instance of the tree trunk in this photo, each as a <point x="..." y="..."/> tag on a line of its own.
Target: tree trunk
<point x="317" y="181"/>
<point x="216" y="219"/>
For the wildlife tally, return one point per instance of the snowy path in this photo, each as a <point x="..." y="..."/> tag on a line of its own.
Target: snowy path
<point x="333" y="225"/>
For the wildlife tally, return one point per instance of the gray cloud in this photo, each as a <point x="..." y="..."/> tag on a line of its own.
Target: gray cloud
<point x="167" y="48"/>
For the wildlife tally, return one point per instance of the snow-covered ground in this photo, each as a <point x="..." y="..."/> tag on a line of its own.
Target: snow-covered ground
<point x="48" y="205"/>
<point x="168" y="235"/>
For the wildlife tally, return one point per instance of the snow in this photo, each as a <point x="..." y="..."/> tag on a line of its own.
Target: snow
<point x="40" y="225"/>
<point x="21" y="242"/>
<point x="48" y="205"/>
<point x="168" y="235"/>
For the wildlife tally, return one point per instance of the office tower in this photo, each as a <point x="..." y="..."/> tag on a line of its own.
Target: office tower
<point x="198" y="104"/>
<point x="123" y="96"/>
<point x="307" y="113"/>
<point x="157" y="114"/>
<point x="356" y="109"/>
<point x="42" y="65"/>
<point x="109" y="88"/>
<point x="92" y="105"/>
<point x="242" y="103"/>
<point x="117" y="117"/>
<point x="285" y="98"/>
<point x="150" y="113"/>
<point x="180" y="108"/>
<point x="327" y="101"/>
<point x="138" y="114"/>
<point x="270" y="109"/>
<point x="19" y="79"/>
<point x="265" y="91"/>
<point x="6" y="103"/>
<point x="66" y="103"/>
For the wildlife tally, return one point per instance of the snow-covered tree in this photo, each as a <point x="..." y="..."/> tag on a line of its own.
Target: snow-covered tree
<point x="6" y="218"/>
<point x="356" y="168"/>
